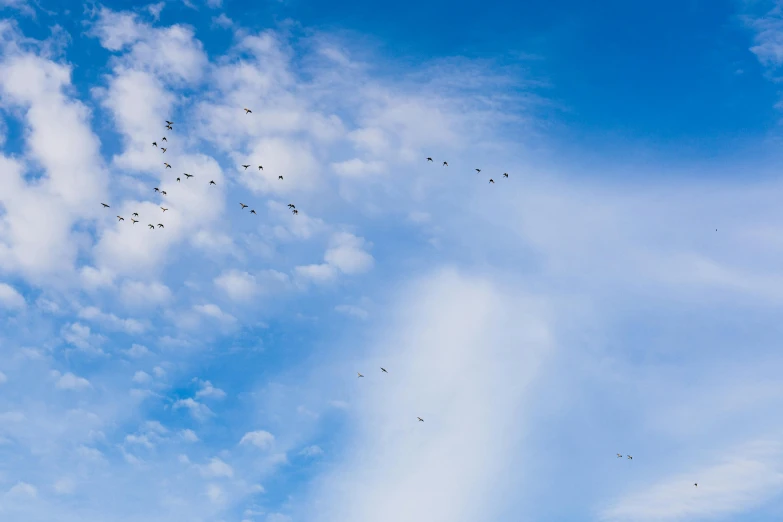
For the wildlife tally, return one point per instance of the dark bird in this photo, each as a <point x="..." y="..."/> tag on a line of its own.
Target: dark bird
<point x="160" y="226"/>
<point x="177" y="180"/>
<point x="505" y="174"/>
<point x="291" y="205"/>
<point x="429" y="159"/>
<point x="260" y="167"/>
<point x="248" y="111"/>
<point x="120" y="218"/>
<point x="157" y="189"/>
<point x="169" y="122"/>
<point x="134" y="221"/>
<point x="164" y="138"/>
<point x="478" y="170"/>
<point x="630" y="457"/>
<point x="384" y="370"/>
<point x="420" y="419"/>
<point x="252" y="211"/>
<point x="295" y="212"/>
<point x="445" y="164"/>
<point x="163" y="149"/>
<point x="696" y="484"/>
<point x="163" y="192"/>
<point x="151" y="226"/>
<point x="279" y="177"/>
<point x="167" y="165"/>
<point x="105" y="205"/>
<point x="491" y="180"/>
<point x="212" y="183"/>
<point x="163" y="209"/>
<point x="169" y="127"/>
<point x="246" y="166"/>
<point x="187" y="175"/>
<point x="155" y="143"/>
<point x="619" y="456"/>
<point x="135" y="214"/>
<point x="243" y="206"/>
<point x="359" y="374"/>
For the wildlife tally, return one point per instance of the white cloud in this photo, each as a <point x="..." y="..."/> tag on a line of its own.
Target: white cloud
<point x="3" y="378"/>
<point x="354" y="311"/>
<point x="10" y="298"/>
<point x="346" y="252"/>
<point x="215" y="494"/>
<point x="141" y="377"/>
<point x="217" y="468"/>
<point x="209" y="391"/>
<point x="111" y="321"/>
<point x="222" y="21"/>
<point x="357" y="168"/>
<point x="137" y="350"/>
<point x="137" y="293"/>
<point x="81" y="337"/>
<point x="214" y="311"/>
<point x="189" y="435"/>
<point x="70" y="381"/>
<point x="262" y="439"/>
<point x="65" y="486"/>
<point x="311" y="451"/>
<point x="199" y="411"/>
<point x="23" y="489"/>
<point x="239" y="286"/>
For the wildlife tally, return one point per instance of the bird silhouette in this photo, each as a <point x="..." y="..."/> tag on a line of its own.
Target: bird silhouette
<point x="248" y="111"/>
<point x="167" y="165"/>
<point x="155" y="143"/>
<point x="120" y="218"/>
<point x="445" y="164"/>
<point x="177" y="180"/>
<point x="429" y="159"/>
<point x="252" y="211"/>
<point x="156" y="189"/>
<point x="420" y="419"/>
<point x="160" y="226"/>
<point x="163" y="150"/>
<point x="163" y="192"/>
<point x="291" y="205"/>
<point x="243" y="206"/>
<point x="260" y="167"/>
<point x="164" y="138"/>
<point x="630" y="457"/>
<point x="359" y="374"/>
<point x="135" y="214"/>
<point x="505" y="174"/>
<point x="134" y="221"/>
<point x="295" y="212"/>
<point x="151" y="226"/>
<point x="169" y="127"/>
<point x="491" y="180"/>
<point x="246" y="166"/>
<point x="187" y="175"/>
<point x="105" y="205"/>
<point x="163" y="209"/>
<point x="279" y="177"/>
<point x="478" y="170"/>
<point x="169" y="122"/>
<point x="212" y="183"/>
<point x="384" y="370"/>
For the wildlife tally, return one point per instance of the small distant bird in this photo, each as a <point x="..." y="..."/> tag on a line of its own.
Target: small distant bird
<point x="384" y="370"/>
<point x="445" y="164"/>
<point x="252" y="211"/>
<point x="619" y="456"/>
<point x="163" y="149"/>
<point x="260" y="167"/>
<point x="177" y="180"/>
<point x="359" y="374"/>
<point x="163" y="192"/>
<point x="134" y="221"/>
<point x="429" y="159"/>
<point x="696" y="484"/>
<point x="160" y="226"/>
<point x="155" y="143"/>
<point x="169" y="122"/>
<point x="163" y="209"/>
<point x="246" y="166"/>
<point x="420" y="419"/>
<point x="167" y="165"/>
<point x="291" y="205"/>
<point x="505" y="174"/>
<point x="156" y="189"/>
<point x="151" y="226"/>
<point x="279" y="177"/>
<point x="169" y="127"/>
<point x="248" y="111"/>
<point x="136" y="214"/>
<point x="243" y="206"/>
<point x="478" y="170"/>
<point x="120" y="218"/>
<point x="187" y="175"/>
<point x="295" y="212"/>
<point x="491" y="180"/>
<point x="105" y="205"/>
<point x="164" y="138"/>
<point x="212" y="183"/>
<point x="630" y="457"/>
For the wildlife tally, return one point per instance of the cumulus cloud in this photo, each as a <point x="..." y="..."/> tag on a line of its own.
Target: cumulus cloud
<point x="199" y="411"/>
<point x="238" y="285"/>
<point x="70" y="381"/>
<point x="10" y="298"/>
<point x="262" y="439"/>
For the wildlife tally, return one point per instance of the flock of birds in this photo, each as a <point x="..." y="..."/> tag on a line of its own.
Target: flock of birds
<point x="291" y="206"/>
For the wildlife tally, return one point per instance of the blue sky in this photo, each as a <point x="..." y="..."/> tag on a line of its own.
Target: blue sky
<point x="618" y="293"/>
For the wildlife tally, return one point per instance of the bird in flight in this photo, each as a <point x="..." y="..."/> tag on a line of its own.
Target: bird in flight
<point x="105" y="205"/>
<point x="384" y="370"/>
<point x="291" y="205"/>
<point x="505" y="174"/>
<point x="248" y="111"/>
<point x="187" y="175"/>
<point x="160" y="226"/>
<point x="246" y="166"/>
<point x="163" y="209"/>
<point x="260" y="167"/>
<point x="155" y="143"/>
<point x="279" y="177"/>
<point x="120" y="218"/>
<point x="359" y="374"/>
<point x="163" y="192"/>
<point x="163" y="149"/>
<point x="135" y="214"/>
<point x="619" y="456"/>
<point x="167" y="165"/>
<point x="164" y="138"/>
<point x="630" y="457"/>
<point x="429" y="159"/>
<point x="491" y="180"/>
<point x="151" y="226"/>
<point x="243" y="206"/>
<point x="177" y="180"/>
<point x="134" y="221"/>
<point x="445" y="164"/>
<point x="420" y="419"/>
<point x="169" y="127"/>
<point x="478" y="170"/>
<point x="157" y="189"/>
<point x="295" y="212"/>
<point x="169" y="122"/>
<point x="696" y="484"/>
<point x="212" y="183"/>
<point x="252" y="211"/>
